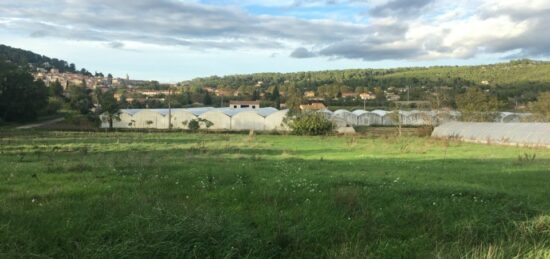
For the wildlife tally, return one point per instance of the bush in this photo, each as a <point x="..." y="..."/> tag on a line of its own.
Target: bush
<point x="311" y="123"/>
<point x="194" y="125"/>
<point x="54" y="105"/>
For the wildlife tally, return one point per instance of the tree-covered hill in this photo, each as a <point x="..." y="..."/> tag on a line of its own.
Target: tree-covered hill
<point x="514" y="83"/>
<point x="504" y="74"/>
<point x="32" y="61"/>
<point x="514" y="73"/>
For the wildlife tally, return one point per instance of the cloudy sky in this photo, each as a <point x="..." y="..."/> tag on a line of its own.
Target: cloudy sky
<point x="173" y="40"/>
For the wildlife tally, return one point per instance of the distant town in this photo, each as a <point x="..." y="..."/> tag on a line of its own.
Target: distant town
<point x="143" y="91"/>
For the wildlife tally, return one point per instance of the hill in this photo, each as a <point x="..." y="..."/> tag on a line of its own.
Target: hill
<point x="32" y="61"/>
<point x="511" y="74"/>
<point x="514" y="83"/>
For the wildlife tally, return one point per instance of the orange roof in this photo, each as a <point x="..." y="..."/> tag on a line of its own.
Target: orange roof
<point x="313" y="106"/>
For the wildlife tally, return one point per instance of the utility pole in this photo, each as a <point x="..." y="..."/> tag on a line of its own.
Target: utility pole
<point x="169" y="107"/>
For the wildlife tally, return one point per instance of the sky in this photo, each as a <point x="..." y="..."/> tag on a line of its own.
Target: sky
<point x="175" y="40"/>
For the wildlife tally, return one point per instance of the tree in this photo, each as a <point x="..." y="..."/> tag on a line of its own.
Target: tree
<point x="379" y="93"/>
<point x="109" y="107"/>
<point x="54" y="104"/>
<point x="195" y="124"/>
<point x="207" y="99"/>
<point x="477" y="106"/>
<point x="56" y="89"/>
<point x="80" y="99"/>
<point x="255" y="95"/>
<point x="541" y="107"/>
<point x="123" y="103"/>
<point x="21" y="98"/>
<point x="275" y="95"/>
<point x="441" y="98"/>
<point x="294" y="99"/>
<point x="310" y="123"/>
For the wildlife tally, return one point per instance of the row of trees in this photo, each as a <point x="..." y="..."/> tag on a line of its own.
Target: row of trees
<point x="478" y="106"/>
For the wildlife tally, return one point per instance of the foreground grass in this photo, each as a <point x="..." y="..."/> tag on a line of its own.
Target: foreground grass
<point x="207" y="195"/>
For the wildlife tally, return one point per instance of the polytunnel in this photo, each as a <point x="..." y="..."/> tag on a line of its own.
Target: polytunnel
<point x="247" y="120"/>
<point x="362" y="117"/>
<point x="200" y="110"/>
<point x="150" y="119"/>
<point x="372" y="118"/>
<point x="417" y="118"/>
<point x="125" y="119"/>
<point x="275" y="121"/>
<point x="347" y="116"/>
<point x="339" y="122"/>
<point x="219" y="119"/>
<point x="387" y="118"/>
<point x="537" y="134"/>
<point x="326" y="112"/>
<point x="509" y="117"/>
<point x="446" y="116"/>
<point x="181" y="118"/>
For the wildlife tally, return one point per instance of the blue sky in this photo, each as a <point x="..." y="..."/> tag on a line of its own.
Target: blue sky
<point x="174" y="40"/>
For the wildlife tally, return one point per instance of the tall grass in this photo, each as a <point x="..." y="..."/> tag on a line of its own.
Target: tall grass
<point x="259" y="196"/>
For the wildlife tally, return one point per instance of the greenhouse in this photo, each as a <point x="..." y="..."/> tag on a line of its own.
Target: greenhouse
<point x="247" y="120"/>
<point x="275" y="121"/>
<point x="347" y="116"/>
<point x="181" y="117"/>
<point x="536" y="134"/>
<point x="272" y="119"/>
<point x="326" y="112"/>
<point x="150" y="119"/>
<point x="220" y="120"/>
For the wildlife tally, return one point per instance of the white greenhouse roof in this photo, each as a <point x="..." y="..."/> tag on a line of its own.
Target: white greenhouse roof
<point x="359" y="112"/>
<point x="130" y="111"/>
<point x="503" y="133"/>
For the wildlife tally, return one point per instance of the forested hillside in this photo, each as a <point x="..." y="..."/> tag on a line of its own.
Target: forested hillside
<point x="522" y="73"/>
<point x="32" y="61"/>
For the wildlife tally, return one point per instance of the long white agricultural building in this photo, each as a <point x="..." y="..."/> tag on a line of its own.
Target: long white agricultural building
<point x="536" y="134"/>
<point x="271" y="119"/>
<point x="263" y="119"/>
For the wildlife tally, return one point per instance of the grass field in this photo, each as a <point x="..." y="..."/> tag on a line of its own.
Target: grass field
<point x="107" y="195"/>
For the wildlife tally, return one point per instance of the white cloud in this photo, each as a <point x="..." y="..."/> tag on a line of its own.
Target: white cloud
<point x="395" y="29"/>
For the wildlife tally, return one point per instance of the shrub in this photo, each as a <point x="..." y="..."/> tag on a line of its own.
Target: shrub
<point x="195" y="124"/>
<point x="53" y="106"/>
<point x="310" y="123"/>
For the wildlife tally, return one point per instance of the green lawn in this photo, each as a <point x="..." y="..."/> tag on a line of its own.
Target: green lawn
<point x="106" y="195"/>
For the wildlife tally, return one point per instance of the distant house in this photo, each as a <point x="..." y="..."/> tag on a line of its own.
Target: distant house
<point x="367" y="96"/>
<point x="153" y="92"/>
<point x="349" y="95"/>
<point x="313" y="106"/>
<point x="244" y="104"/>
<point x="309" y="94"/>
<point x="225" y="92"/>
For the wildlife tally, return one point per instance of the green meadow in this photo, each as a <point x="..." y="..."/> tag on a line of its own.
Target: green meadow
<point x="183" y="195"/>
